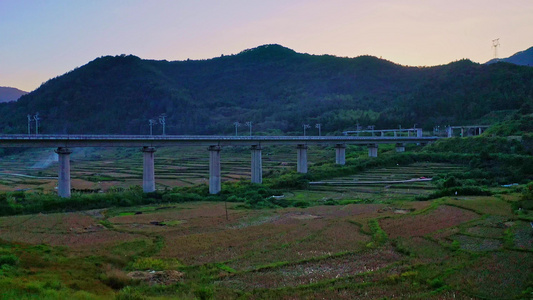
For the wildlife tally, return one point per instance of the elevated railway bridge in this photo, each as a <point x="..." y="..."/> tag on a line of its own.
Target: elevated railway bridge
<point x="148" y="145"/>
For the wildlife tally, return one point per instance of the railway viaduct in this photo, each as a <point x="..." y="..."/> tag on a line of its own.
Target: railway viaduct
<point x="214" y="144"/>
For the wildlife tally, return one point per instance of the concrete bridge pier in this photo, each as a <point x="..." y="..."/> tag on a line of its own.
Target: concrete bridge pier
<point x="373" y="150"/>
<point x="257" y="165"/>
<point x="63" y="184"/>
<point x="340" y="154"/>
<point x="302" y="158"/>
<point x="400" y="147"/>
<point x="148" y="169"/>
<point x="214" y="169"/>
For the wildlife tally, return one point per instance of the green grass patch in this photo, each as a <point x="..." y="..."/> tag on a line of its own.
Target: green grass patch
<point x="379" y="237"/>
<point x="156" y="264"/>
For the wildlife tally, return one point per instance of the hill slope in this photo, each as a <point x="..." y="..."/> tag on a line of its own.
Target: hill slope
<point x="272" y="86"/>
<point x="8" y="94"/>
<point x="522" y="58"/>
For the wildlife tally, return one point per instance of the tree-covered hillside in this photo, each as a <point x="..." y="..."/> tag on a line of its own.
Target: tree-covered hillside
<point x="522" y="58"/>
<point x="272" y="86"/>
<point x="8" y="94"/>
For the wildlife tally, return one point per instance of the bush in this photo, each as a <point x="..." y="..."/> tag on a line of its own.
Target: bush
<point x="9" y="259"/>
<point x="148" y="263"/>
<point x="526" y="200"/>
<point x="456" y="191"/>
<point x="130" y="293"/>
<point x="182" y="197"/>
<point x="204" y="293"/>
<point x="301" y="204"/>
<point x="451" y="182"/>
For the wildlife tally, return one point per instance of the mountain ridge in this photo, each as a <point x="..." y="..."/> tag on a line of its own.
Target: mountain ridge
<point x="275" y="87"/>
<point x="8" y="94"/>
<point x="521" y="58"/>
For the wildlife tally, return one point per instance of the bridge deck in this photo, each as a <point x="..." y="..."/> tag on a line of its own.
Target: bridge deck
<point x="73" y="141"/>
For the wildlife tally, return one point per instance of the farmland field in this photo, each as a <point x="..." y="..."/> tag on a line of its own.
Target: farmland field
<point x="359" y="236"/>
<point x="102" y="168"/>
<point x="377" y="250"/>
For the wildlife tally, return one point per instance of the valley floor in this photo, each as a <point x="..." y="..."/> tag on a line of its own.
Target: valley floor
<point x="463" y="248"/>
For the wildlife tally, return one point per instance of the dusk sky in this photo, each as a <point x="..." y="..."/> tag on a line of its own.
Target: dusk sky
<point x="40" y="40"/>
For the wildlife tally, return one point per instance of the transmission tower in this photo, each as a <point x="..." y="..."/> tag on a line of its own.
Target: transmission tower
<point x="495" y="45"/>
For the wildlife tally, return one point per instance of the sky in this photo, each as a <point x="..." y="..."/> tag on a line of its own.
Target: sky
<point x="43" y="39"/>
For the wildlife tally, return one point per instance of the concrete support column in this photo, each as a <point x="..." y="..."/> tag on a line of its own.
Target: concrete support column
<point x="395" y="135"/>
<point x="63" y="183"/>
<point x="257" y="165"/>
<point x="462" y="132"/>
<point x="302" y="159"/>
<point x="214" y="169"/>
<point x="449" y="131"/>
<point x="340" y="154"/>
<point x="373" y="150"/>
<point x="419" y="132"/>
<point x="148" y="169"/>
<point x="400" y="147"/>
<point x="382" y="133"/>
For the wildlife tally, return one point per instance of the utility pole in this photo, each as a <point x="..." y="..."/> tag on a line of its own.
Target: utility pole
<point x="151" y="122"/>
<point x="371" y="127"/>
<point x="29" y="124"/>
<point x="249" y="124"/>
<point x="162" y="121"/>
<point x="305" y="127"/>
<point x="237" y="124"/>
<point x="319" y="127"/>
<point x="36" y="118"/>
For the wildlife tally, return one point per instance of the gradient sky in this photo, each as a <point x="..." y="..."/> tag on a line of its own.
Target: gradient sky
<point x="40" y="39"/>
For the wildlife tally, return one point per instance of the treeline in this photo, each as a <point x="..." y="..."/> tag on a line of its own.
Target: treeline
<point x="272" y="86"/>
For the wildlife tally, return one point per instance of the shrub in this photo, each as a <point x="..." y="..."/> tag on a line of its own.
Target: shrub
<point x="129" y="293"/>
<point x="301" y="204"/>
<point x="204" y="293"/>
<point x="182" y="197"/>
<point x="451" y="182"/>
<point x="526" y="200"/>
<point x="9" y="259"/>
<point x="148" y="263"/>
<point x="456" y="191"/>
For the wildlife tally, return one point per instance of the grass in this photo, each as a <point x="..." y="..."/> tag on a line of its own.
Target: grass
<point x="383" y="265"/>
<point x="329" y="241"/>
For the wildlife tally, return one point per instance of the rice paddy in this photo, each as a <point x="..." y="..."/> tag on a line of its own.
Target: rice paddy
<point x="363" y="236"/>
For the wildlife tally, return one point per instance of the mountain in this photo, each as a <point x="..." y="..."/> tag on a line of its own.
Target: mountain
<point x="8" y="94"/>
<point x="276" y="88"/>
<point x="522" y="58"/>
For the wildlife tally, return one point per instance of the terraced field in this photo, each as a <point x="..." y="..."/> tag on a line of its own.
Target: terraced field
<point x="448" y="248"/>
<point x="363" y="236"/>
<point x="103" y="168"/>
<point x="400" y="182"/>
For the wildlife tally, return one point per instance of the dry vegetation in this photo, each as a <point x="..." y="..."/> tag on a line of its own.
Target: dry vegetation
<point x="354" y="241"/>
<point x="420" y="251"/>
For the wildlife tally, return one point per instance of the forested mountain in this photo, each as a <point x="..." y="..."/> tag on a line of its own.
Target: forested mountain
<point x="8" y="94"/>
<point x="522" y="58"/>
<point x="272" y="86"/>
